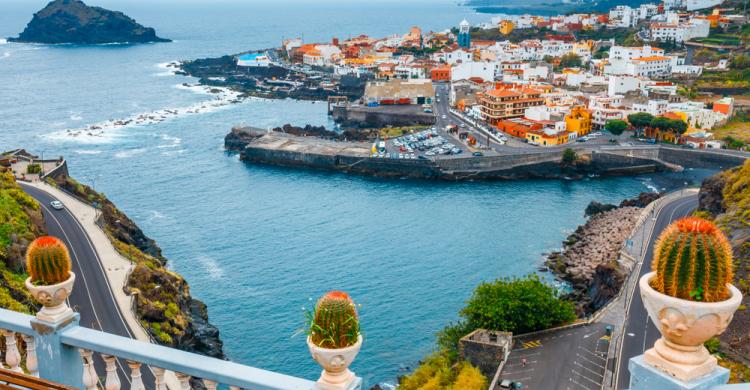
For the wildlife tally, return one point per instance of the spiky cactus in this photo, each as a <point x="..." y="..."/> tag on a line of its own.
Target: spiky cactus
<point x="47" y="261"/>
<point x="335" y="323"/>
<point x="693" y="261"/>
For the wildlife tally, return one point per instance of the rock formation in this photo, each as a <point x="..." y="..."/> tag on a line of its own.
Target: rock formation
<point x="72" y="21"/>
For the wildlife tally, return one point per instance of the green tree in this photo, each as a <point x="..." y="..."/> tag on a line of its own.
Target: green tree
<point x="640" y="119"/>
<point x="570" y="60"/>
<point x="569" y="156"/>
<point x="616" y="126"/>
<point x="517" y="305"/>
<point x="740" y="61"/>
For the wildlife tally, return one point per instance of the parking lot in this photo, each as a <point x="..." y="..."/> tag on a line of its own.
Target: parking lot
<point x="567" y="359"/>
<point x="423" y="144"/>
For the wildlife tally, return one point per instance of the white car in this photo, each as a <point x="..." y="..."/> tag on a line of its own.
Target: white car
<point x="57" y="205"/>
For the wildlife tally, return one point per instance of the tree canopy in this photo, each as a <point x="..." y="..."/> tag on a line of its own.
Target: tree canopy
<point x="616" y="126"/>
<point x="570" y="60"/>
<point x="640" y="119"/>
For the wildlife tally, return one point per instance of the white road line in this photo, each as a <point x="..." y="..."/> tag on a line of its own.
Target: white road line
<point x="85" y="283"/>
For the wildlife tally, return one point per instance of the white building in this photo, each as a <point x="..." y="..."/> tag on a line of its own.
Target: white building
<point x="453" y="57"/>
<point x="653" y="107"/>
<point x="701" y="4"/>
<point x="629" y="53"/>
<point x="620" y="85"/>
<point x="680" y="32"/>
<point x="467" y="70"/>
<point x="606" y="108"/>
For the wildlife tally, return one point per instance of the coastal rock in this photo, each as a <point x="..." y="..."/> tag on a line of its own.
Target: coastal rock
<point x="642" y="200"/>
<point x="589" y="259"/>
<point x="239" y="137"/>
<point x="595" y="208"/>
<point x="711" y="195"/>
<point x="72" y="21"/>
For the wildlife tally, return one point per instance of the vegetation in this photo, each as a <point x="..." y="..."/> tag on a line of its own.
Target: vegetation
<point x="736" y="132"/>
<point x="437" y="372"/>
<point x="570" y="60"/>
<point x="616" y="126"/>
<point x="733" y="81"/>
<point x="693" y="261"/>
<point x="33" y="169"/>
<point x="48" y="261"/>
<point x="335" y="323"/>
<point x="640" y="119"/>
<point x="518" y="305"/>
<point x="20" y="223"/>
<point x="666" y="124"/>
<point x="569" y="157"/>
<point x="392" y="132"/>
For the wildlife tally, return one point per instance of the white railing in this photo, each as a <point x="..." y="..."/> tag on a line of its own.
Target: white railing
<point x="64" y="353"/>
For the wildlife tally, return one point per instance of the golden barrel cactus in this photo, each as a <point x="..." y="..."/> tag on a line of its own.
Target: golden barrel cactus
<point x="693" y="261"/>
<point x="47" y="261"/>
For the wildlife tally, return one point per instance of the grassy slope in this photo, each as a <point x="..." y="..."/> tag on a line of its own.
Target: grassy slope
<point x="737" y="128"/>
<point x="20" y="222"/>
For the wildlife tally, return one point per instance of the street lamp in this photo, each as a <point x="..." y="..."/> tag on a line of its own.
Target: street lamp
<point x="41" y="172"/>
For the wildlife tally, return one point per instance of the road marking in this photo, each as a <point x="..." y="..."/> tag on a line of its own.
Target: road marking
<point x="605" y="338"/>
<point x="631" y="334"/>
<point x="599" y="383"/>
<point x="532" y="344"/>
<point x="588" y="369"/>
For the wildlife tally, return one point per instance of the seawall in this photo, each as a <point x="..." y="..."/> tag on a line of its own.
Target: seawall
<point x="312" y="152"/>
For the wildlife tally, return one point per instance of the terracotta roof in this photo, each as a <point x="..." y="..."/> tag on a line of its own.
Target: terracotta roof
<point x="651" y="58"/>
<point x="502" y="93"/>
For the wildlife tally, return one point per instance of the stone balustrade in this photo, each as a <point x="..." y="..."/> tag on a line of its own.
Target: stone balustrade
<point x="65" y="353"/>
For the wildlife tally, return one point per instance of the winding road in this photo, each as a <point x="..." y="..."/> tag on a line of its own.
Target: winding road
<point x="92" y="296"/>
<point x="640" y="333"/>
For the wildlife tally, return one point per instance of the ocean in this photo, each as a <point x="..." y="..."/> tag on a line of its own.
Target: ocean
<point x="259" y="243"/>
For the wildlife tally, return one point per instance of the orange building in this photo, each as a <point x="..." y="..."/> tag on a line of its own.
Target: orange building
<point x="724" y="106"/>
<point x="500" y="104"/>
<point x="440" y="73"/>
<point x="519" y="127"/>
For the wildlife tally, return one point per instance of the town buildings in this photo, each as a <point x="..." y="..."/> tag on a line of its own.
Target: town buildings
<point x="499" y="104"/>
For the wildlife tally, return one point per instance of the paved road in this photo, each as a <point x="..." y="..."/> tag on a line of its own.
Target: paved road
<point x="640" y="333"/>
<point x="566" y="359"/>
<point x="92" y="296"/>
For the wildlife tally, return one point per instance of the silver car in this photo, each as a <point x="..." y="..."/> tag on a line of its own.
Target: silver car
<point x="57" y="205"/>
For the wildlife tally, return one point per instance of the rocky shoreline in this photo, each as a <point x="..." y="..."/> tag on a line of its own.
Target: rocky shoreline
<point x="588" y="261"/>
<point x="169" y="314"/>
<point x="274" y="81"/>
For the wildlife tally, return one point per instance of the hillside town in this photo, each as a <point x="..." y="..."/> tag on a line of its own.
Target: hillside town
<point x="543" y="81"/>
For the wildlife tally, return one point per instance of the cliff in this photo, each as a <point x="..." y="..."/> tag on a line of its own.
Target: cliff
<point x="72" y="21"/>
<point x="169" y="313"/>
<point x="21" y="221"/>
<point x="726" y="198"/>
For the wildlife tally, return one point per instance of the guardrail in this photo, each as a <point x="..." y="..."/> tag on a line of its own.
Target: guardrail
<point x="63" y="352"/>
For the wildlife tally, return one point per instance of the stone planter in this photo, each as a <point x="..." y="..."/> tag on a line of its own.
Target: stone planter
<point x="335" y="363"/>
<point x="685" y="326"/>
<point x="52" y="298"/>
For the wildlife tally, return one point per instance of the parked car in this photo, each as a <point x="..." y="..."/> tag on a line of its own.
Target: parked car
<point x="57" y="205"/>
<point x="477" y="154"/>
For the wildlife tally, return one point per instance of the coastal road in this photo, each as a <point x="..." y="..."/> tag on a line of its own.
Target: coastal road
<point x="92" y="296"/>
<point x="640" y="333"/>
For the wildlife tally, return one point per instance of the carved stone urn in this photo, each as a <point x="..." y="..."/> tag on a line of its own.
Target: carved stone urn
<point x="52" y="298"/>
<point x="685" y="325"/>
<point x="335" y="362"/>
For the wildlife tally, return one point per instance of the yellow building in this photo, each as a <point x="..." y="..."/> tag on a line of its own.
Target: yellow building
<point x="547" y="137"/>
<point x="506" y="27"/>
<point x="578" y="121"/>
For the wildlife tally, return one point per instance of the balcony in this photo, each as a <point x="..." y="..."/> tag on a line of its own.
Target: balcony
<point x="63" y="355"/>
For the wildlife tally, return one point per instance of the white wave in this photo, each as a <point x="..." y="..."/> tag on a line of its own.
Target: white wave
<point x="387" y="386"/>
<point x="651" y="187"/>
<point x="130" y="153"/>
<point x="75" y="117"/>
<point x="212" y="267"/>
<point x="168" y="69"/>
<point x="221" y="97"/>
<point x="3" y="41"/>
<point x="6" y="54"/>
<point x="173" y="152"/>
<point x="155" y="215"/>
<point x="85" y="151"/>
<point x="173" y="141"/>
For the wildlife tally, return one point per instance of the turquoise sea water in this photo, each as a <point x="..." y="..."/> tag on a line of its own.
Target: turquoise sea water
<point x="256" y="243"/>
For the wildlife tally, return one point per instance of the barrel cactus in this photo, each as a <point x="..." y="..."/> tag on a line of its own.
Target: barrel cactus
<point x="334" y="323"/>
<point x="47" y="261"/>
<point x="693" y="261"/>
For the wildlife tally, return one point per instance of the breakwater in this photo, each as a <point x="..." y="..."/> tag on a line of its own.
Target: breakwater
<point x="354" y="157"/>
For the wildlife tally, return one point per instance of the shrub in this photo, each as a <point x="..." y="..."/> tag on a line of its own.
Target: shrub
<point x="469" y="378"/>
<point x="712" y="345"/>
<point x="569" y="157"/>
<point x="48" y="261"/>
<point x="517" y="305"/>
<point x="335" y="323"/>
<point x="33" y="168"/>
<point x="693" y="261"/>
